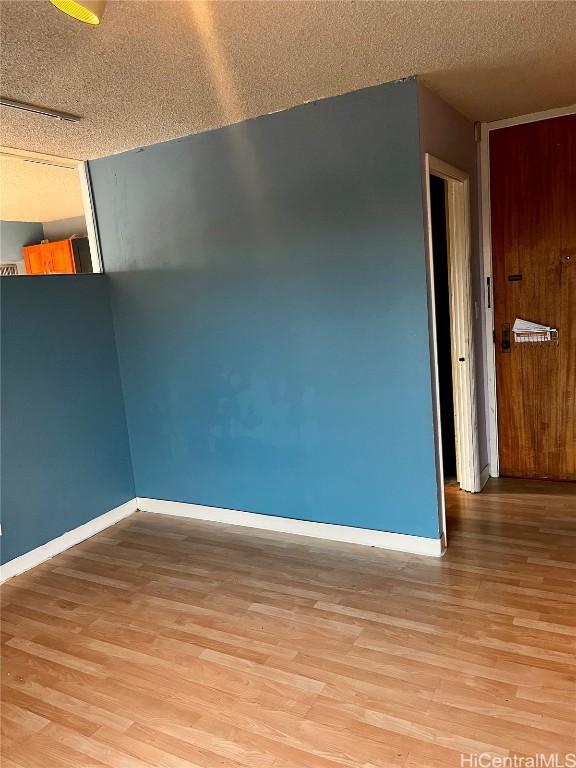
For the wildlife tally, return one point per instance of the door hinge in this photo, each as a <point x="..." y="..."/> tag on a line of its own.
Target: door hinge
<point x="493" y="336"/>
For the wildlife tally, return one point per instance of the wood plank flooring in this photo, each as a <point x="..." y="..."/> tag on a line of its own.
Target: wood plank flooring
<point x="175" y="643"/>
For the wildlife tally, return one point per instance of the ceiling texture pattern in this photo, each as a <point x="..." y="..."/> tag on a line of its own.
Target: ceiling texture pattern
<point x="154" y="71"/>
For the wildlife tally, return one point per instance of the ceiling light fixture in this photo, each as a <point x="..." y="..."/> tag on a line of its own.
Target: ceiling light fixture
<point x="4" y="102"/>
<point x="88" y="11"/>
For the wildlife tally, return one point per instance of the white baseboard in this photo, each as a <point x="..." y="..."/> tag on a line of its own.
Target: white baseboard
<point x="484" y="476"/>
<point x="417" y="545"/>
<point x="67" y="540"/>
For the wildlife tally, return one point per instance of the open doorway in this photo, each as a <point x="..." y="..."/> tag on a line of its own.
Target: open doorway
<point x="452" y="344"/>
<point x="46" y="216"/>
<point x="439" y="223"/>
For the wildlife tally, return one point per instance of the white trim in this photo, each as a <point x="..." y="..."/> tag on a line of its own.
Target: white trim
<point x="486" y="230"/>
<point x="532" y="117"/>
<point x="463" y="353"/>
<point x="90" y="216"/>
<point x="56" y="546"/>
<point x="38" y="157"/>
<point x="492" y="404"/>
<point x="484" y="476"/>
<point x="445" y="170"/>
<point x="417" y="545"/>
<point x="434" y="355"/>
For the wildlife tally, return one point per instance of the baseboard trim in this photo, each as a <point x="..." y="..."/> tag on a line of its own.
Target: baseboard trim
<point x="484" y="476"/>
<point x="69" y="539"/>
<point x="417" y="545"/>
<point x="400" y="542"/>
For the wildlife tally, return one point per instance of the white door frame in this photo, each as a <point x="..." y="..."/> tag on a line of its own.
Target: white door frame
<point x="486" y="229"/>
<point x="81" y="168"/>
<point x="90" y="213"/>
<point x="461" y="325"/>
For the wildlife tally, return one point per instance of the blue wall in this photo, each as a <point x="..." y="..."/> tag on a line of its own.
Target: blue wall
<point x="15" y="234"/>
<point x="269" y="296"/>
<point x="64" y="451"/>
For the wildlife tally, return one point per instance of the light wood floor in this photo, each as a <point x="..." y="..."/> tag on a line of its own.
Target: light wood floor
<point x="168" y="642"/>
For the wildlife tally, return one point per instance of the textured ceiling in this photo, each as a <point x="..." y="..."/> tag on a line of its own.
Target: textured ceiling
<point x="32" y="191"/>
<point x="158" y="70"/>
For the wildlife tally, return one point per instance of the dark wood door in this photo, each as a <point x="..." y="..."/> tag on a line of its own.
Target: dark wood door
<point x="533" y="214"/>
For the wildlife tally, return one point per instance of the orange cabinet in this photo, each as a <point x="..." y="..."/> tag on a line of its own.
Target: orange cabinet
<point x="62" y="257"/>
<point x="50" y="258"/>
<point x="34" y="256"/>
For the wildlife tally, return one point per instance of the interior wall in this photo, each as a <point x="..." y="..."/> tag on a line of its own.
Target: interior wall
<point x="449" y="136"/>
<point x="64" y="449"/>
<point x="14" y="235"/>
<point x="269" y="294"/>
<point x="64" y="228"/>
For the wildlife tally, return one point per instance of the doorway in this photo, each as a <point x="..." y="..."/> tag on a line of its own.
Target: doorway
<point x="452" y="345"/>
<point x="47" y="220"/>
<point x="443" y="332"/>
<point x="532" y="167"/>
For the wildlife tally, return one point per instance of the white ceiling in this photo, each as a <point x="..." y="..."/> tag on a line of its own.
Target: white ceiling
<point x="36" y="191"/>
<point x="153" y="71"/>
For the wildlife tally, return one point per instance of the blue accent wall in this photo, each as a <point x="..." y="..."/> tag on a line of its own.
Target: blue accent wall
<point x="269" y="295"/>
<point x="64" y="454"/>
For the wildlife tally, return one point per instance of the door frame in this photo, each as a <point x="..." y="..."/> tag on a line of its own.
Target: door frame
<point x="486" y="246"/>
<point x="461" y="324"/>
<point x="81" y="167"/>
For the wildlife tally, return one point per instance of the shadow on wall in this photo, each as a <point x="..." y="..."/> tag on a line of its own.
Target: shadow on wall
<point x="64" y="442"/>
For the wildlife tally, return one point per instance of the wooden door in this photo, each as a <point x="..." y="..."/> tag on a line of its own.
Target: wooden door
<point x="533" y="215"/>
<point x="61" y="257"/>
<point x="34" y="259"/>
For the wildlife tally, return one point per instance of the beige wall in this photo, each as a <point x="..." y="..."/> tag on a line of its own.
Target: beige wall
<point x="63" y="228"/>
<point x="38" y="191"/>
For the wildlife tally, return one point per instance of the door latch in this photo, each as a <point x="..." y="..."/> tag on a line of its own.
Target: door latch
<point x="505" y="340"/>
